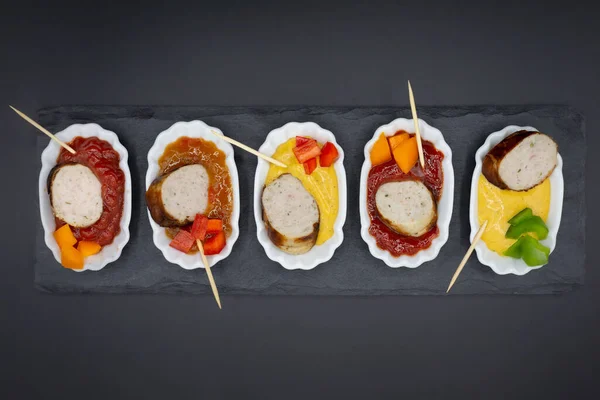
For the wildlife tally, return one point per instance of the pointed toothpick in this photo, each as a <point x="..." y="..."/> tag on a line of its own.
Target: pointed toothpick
<point x="468" y="254"/>
<point x="41" y="128"/>
<point x="413" y="108"/>
<point x="211" y="279"/>
<point x="249" y="149"/>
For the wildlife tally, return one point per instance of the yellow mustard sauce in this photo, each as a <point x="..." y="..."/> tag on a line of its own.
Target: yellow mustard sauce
<point x="322" y="184"/>
<point x="498" y="206"/>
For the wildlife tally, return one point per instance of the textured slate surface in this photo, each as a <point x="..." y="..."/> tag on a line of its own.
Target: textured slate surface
<point x="352" y="270"/>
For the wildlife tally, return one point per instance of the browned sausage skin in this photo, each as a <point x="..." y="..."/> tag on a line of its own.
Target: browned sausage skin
<point x="156" y="206"/>
<point x="290" y="214"/>
<point x="492" y="161"/>
<point x="294" y="246"/>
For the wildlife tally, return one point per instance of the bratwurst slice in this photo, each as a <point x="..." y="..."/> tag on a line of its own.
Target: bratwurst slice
<point x="408" y="207"/>
<point x="290" y="214"/>
<point x="175" y="198"/>
<point x="521" y="161"/>
<point x="75" y="195"/>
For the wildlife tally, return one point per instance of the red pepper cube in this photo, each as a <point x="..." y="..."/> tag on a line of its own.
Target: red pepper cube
<point x="307" y="151"/>
<point x="183" y="241"/>
<point x="214" y="245"/>
<point x="214" y="226"/>
<point x="310" y="166"/>
<point x="199" y="227"/>
<point x="329" y="154"/>
<point x="300" y="140"/>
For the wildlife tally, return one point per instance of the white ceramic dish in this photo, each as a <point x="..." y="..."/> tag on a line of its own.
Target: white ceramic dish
<point x="507" y="265"/>
<point x="444" y="205"/>
<point x="108" y="253"/>
<point x="319" y="253"/>
<point x="193" y="129"/>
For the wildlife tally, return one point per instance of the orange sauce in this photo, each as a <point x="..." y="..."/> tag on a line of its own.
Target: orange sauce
<point x="186" y="151"/>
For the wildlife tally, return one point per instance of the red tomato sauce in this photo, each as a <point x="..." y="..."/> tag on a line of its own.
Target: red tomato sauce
<point x="103" y="160"/>
<point x="432" y="177"/>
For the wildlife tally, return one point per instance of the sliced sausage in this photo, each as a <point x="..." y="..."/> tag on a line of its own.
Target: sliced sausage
<point x="408" y="207"/>
<point x="75" y="194"/>
<point x="290" y="214"/>
<point x="521" y="161"/>
<point x="175" y="198"/>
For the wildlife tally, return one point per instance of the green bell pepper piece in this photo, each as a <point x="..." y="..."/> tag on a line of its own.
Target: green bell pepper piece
<point x="521" y="216"/>
<point x="514" y="251"/>
<point x="532" y="224"/>
<point x="533" y="252"/>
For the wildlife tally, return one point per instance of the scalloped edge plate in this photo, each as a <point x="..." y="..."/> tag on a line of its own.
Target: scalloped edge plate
<point x="108" y="253"/>
<point x="193" y="129"/>
<point x="319" y="253"/>
<point x="445" y="204"/>
<point x="507" y="265"/>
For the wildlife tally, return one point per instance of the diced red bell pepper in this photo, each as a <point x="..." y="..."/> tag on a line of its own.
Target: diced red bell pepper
<point x="214" y="244"/>
<point x="300" y="140"/>
<point x="307" y="151"/>
<point x="310" y="166"/>
<point x="329" y="154"/>
<point x="183" y="241"/>
<point x="199" y="227"/>
<point x="214" y="226"/>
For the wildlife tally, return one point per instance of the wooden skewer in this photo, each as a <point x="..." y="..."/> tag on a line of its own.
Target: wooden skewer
<point x="250" y="150"/>
<point x="413" y="108"/>
<point x="211" y="279"/>
<point x="41" y="128"/>
<point x="468" y="254"/>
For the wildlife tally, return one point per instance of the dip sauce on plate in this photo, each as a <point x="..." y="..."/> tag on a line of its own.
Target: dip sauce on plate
<point x="432" y="177"/>
<point x="322" y="184"/>
<point x="186" y="151"/>
<point x="497" y="206"/>
<point x="99" y="156"/>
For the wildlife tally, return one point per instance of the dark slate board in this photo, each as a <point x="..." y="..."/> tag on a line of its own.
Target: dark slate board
<point x="352" y="270"/>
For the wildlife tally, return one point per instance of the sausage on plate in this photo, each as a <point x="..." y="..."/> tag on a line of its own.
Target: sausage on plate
<point x="175" y="198"/>
<point x="408" y="207"/>
<point x="521" y="161"/>
<point x="290" y="214"/>
<point x="75" y="194"/>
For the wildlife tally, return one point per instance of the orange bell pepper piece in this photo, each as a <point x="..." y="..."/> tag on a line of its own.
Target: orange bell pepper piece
<point x="407" y="154"/>
<point x="214" y="226"/>
<point x="214" y="244"/>
<point x="397" y="139"/>
<point x="380" y="152"/>
<point x="64" y="237"/>
<point x="88" y="248"/>
<point x="71" y="258"/>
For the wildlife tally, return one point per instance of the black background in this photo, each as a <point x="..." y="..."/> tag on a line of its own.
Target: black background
<point x="237" y="53"/>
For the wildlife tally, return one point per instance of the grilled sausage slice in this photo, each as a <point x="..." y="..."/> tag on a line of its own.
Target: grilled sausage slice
<point x="175" y="198"/>
<point x="290" y="214"/>
<point x="407" y="207"/>
<point x="75" y="194"/>
<point x="521" y="161"/>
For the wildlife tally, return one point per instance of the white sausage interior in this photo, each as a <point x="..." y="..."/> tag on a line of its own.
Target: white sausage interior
<point x="529" y="162"/>
<point x="184" y="192"/>
<point x="406" y="206"/>
<point x="76" y="195"/>
<point x="290" y="208"/>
